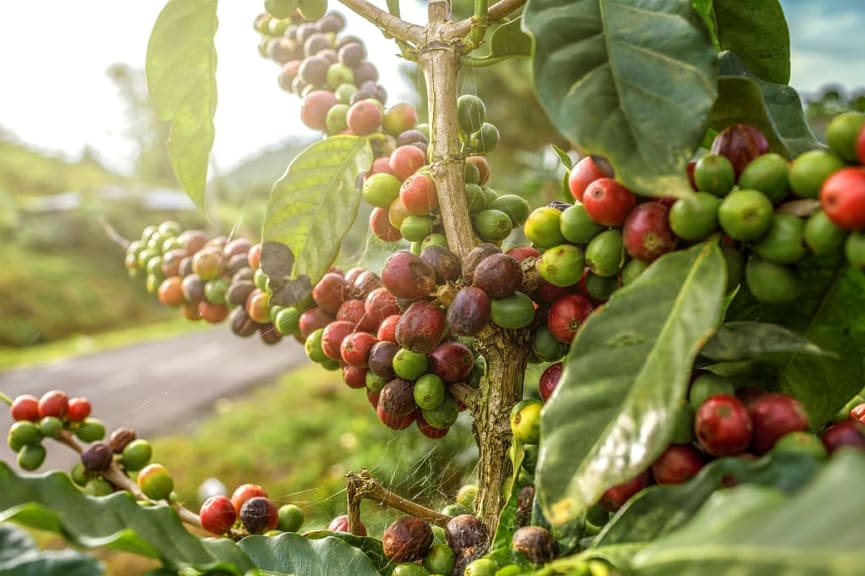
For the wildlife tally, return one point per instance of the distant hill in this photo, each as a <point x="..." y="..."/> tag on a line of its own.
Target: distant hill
<point x="261" y="171"/>
<point x="27" y="172"/>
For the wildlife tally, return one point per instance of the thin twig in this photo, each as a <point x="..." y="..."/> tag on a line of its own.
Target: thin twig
<point x="364" y="486"/>
<point x="499" y="10"/>
<point x="5" y="398"/>
<point x="112" y="233"/>
<point x="388" y="23"/>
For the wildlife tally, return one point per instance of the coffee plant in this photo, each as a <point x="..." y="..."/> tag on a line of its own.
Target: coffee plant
<point x="695" y="301"/>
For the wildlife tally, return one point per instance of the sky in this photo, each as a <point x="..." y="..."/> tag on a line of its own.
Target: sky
<point x="55" y="94"/>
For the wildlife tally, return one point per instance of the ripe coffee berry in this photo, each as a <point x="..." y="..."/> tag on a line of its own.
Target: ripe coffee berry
<point x="78" y="409"/>
<point x="217" y="515"/>
<point x="842" y="198"/>
<point x="25" y="407"/>
<point x="722" y="426"/>
<point x="774" y="415"/>
<point x="608" y="202"/>
<point x="340" y="524"/>
<point x="407" y="539"/>
<point x="54" y="403"/>
<point x="549" y="380"/>
<point x="615" y="497"/>
<point x="244" y="492"/>
<point x="678" y="464"/>
<point x="258" y="515"/>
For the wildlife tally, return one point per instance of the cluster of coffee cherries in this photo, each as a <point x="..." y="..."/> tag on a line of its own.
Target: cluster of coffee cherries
<point x="389" y="338"/>
<point x="756" y="198"/>
<point x="721" y="420"/>
<point x="341" y="96"/>
<point x="55" y="415"/>
<point x="250" y="509"/>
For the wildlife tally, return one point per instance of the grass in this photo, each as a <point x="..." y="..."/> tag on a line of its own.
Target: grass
<point x="299" y="436"/>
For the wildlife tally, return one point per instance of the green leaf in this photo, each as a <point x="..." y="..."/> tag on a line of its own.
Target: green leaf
<point x="750" y="531"/>
<point x="773" y="108"/>
<point x="612" y="413"/>
<point x="830" y="313"/>
<point x="116" y="522"/>
<point x="756" y="340"/>
<point x="756" y="31"/>
<point x="291" y="553"/>
<point x="181" y="79"/>
<point x="634" y="83"/>
<point x="19" y="556"/>
<point x="312" y="207"/>
<point x="393" y="7"/>
<point x="500" y="549"/>
<point x="372" y="547"/>
<point x="662" y="509"/>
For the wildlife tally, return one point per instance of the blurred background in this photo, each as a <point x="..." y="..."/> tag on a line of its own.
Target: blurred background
<point x="83" y="160"/>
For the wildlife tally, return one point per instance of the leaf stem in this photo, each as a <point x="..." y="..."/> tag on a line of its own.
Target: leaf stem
<point x="5" y="398"/>
<point x="388" y="23"/>
<point x="497" y="11"/>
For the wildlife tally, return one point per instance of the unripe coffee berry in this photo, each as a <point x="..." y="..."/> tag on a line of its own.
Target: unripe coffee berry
<point x="217" y="515"/>
<point x="155" y="482"/>
<point x="97" y="457"/>
<point x="90" y="430"/>
<point x="258" y="515"/>
<point x="291" y="518"/>
<point x="136" y="455"/>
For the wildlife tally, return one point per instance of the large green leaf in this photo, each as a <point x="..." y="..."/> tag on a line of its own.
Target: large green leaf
<point x="181" y="78"/>
<point x="756" y="340"/>
<point x="750" y="530"/>
<point x="507" y="40"/>
<point x="774" y="108"/>
<point x="291" y="553"/>
<point x="613" y="411"/>
<point x="51" y="502"/>
<point x="756" y="31"/>
<point x="312" y="207"/>
<point x="830" y="313"/>
<point x="19" y="556"/>
<point x="631" y="81"/>
<point x="662" y="509"/>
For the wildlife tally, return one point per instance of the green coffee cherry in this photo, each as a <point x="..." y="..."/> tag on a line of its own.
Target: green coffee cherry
<point x="291" y="518"/>
<point x="91" y="430"/>
<point x="31" y="456"/>
<point x="136" y="455"/>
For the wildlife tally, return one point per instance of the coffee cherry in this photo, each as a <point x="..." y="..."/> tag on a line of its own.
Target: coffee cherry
<point x="845" y="433"/>
<point x="514" y="312"/>
<point x="51" y="427"/>
<point x="407" y="539"/>
<point x="78" y="409"/>
<point x="217" y="515"/>
<point x="429" y="392"/>
<point x="136" y="455"/>
<point x="418" y="194"/>
<point x="465" y="531"/>
<point x="615" y="497"/>
<point x="243" y="493"/>
<point x="608" y="202"/>
<point x="783" y="243"/>
<point x="120" y="438"/>
<point x="97" y="457"/>
<point x="768" y="174"/>
<point x="451" y="361"/>
<point x="25" y="407"/>
<point x="577" y="226"/>
<point x="381" y="189"/>
<point x="443" y="416"/>
<point x="801" y="443"/>
<point x="155" y="482"/>
<point x="567" y="313"/>
<point x="646" y="232"/>
<point x="407" y="276"/>
<point x="722" y="426"/>
<point x="842" y="198"/>
<point x="469" y="312"/>
<point x="259" y="515"/>
<point x="90" y="430"/>
<point x="774" y="415"/>
<point x="31" y="457"/>
<point x="740" y="143"/>
<point x="314" y="109"/>
<point x="54" y="403"/>
<point x="745" y="214"/>
<point x="526" y="420"/>
<point x="470" y="113"/>
<point x="543" y="228"/>
<point x="406" y="160"/>
<point x="822" y="236"/>
<point x="677" y="464"/>
<point x="842" y="133"/>
<point x="605" y="254"/>
<point x="24" y="433"/>
<point x="340" y="524"/>
<point x="707" y="385"/>
<point x="445" y="263"/>
<point x="549" y="380"/>
<point x="714" y="174"/>
<point x="771" y="283"/>
<point x="536" y="543"/>
<point x="364" y="117"/>
<point x="440" y="559"/>
<point x="562" y="265"/>
<point x="582" y="174"/>
<point x="290" y="518"/>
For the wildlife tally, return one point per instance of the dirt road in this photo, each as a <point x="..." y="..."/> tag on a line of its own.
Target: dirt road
<point x="154" y="387"/>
